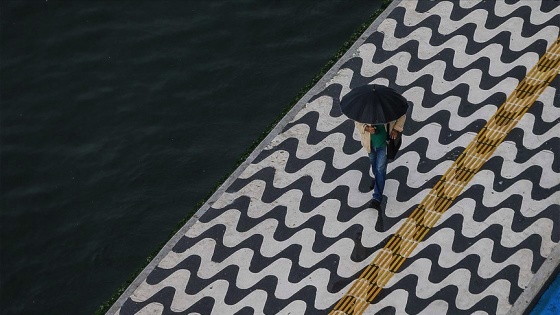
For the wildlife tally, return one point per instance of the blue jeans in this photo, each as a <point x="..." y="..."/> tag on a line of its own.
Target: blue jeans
<point x="378" y="159"/>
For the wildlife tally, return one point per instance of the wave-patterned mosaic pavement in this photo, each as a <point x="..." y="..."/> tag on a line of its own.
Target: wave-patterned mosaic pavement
<point x="293" y="231"/>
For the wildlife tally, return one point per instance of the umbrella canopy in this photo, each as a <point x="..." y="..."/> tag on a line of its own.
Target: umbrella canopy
<point x="373" y="104"/>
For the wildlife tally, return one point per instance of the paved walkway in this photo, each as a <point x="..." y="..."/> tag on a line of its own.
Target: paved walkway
<point x="472" y="214"/>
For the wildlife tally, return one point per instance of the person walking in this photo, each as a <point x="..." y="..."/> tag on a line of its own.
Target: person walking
<point x="373" y="138"/>
<point x="379" y="113"/>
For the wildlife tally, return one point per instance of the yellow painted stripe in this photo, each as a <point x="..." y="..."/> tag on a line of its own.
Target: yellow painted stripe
<point x="401" y="244"/>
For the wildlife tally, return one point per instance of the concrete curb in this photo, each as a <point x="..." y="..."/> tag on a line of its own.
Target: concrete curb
<point x="273" y="133"/>
<point x="540" y="281"/>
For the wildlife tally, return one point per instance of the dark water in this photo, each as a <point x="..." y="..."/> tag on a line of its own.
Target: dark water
<point x="117" y="117"/>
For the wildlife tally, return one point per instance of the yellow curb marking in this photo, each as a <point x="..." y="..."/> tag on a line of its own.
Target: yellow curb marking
<point x="389" y="259"/>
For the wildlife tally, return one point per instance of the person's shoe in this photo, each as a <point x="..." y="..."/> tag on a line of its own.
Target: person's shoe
<point x="375" y="204"/>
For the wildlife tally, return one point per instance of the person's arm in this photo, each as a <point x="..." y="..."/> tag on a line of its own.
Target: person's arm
<point x="399" y="124"/>
<point x="363" y="128"/>
<point x="398" y="127"/>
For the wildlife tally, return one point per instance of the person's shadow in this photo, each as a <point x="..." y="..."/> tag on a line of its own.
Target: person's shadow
<point x="367" y="186"/>
<point x="361" y="252"/>
<point x="379" y="226"/>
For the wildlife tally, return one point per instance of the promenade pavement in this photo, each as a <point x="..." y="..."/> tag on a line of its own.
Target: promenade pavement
<point x="471" y="218"/>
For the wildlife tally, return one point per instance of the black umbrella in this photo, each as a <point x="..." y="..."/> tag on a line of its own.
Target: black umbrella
<point x="373" y="104"/>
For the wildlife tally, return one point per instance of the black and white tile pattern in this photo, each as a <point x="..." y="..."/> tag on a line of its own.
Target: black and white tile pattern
<point x="283" y="238"/>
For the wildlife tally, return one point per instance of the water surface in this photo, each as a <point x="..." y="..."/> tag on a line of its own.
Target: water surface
<point x="118" y="117"/>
